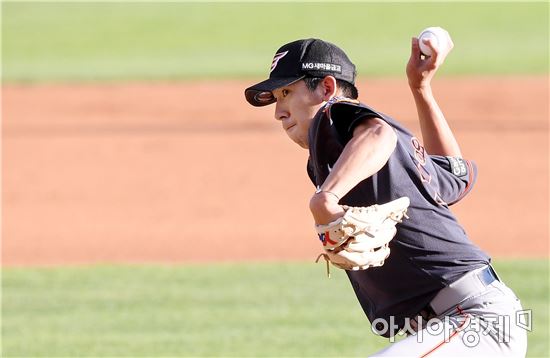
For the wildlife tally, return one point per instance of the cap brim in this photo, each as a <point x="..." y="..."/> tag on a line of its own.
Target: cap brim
<point x="261" y="93"/>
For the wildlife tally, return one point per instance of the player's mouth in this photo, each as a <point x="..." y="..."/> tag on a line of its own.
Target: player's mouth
<point x="287" y="127"/>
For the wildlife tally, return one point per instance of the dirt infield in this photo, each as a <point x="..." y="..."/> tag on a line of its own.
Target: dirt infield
<point x="172" y="172"/>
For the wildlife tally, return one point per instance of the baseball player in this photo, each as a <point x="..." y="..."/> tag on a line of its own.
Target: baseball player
<point x="432" y="282"/>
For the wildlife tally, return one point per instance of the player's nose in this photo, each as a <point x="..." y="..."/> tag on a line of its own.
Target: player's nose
<point x="280" y="112"/>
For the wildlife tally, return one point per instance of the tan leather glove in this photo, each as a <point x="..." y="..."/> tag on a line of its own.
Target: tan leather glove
<point x="359" y="239"/>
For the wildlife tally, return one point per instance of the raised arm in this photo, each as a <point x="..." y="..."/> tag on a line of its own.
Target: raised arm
<point x="436" y="134"/>
<point x="365" y="154"/>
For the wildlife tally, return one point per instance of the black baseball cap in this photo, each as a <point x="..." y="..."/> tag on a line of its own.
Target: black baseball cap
<point x="297" y="60"/>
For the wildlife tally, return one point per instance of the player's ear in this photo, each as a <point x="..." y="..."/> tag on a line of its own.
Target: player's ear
<point x="329" y="87"/>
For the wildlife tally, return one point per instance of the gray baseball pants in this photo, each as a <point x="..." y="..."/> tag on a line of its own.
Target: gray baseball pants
<point x="484" y="324"/>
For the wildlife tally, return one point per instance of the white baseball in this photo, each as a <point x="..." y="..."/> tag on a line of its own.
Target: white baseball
<point x="436" y="34"/>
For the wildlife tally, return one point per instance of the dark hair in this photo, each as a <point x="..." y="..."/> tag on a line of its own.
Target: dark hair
<point x="348" y="90"/>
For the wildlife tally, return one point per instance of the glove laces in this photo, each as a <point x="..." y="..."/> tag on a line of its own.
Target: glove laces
<point x="327" y="261"/>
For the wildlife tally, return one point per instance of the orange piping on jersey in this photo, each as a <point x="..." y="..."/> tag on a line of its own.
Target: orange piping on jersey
<point x="455" y="333"/>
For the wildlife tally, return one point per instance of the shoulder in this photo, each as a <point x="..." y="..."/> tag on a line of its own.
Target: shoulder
<point x="346" y="114"/>
<point x="369" y="122"/>
<point x="373" y="124"/>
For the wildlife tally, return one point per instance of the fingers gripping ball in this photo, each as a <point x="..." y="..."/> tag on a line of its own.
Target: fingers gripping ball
<point x="359" y="239"/>
<point x="436" y="35"/>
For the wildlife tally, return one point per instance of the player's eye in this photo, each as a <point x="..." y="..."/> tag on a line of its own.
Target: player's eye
<point x="284" y="92"/>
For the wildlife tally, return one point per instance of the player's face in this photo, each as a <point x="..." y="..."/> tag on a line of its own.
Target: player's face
<point x="295" y="107"/>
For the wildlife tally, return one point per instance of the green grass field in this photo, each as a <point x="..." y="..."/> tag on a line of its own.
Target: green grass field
<point x="60" y="41"/>
<point x="289" y="309"/>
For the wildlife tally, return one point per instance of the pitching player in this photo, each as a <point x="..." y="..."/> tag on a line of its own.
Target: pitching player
<point x="435" y="285"/>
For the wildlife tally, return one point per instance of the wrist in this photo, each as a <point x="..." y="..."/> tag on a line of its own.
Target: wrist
<point x="328" y="195"/>
<point x="421" y="89"/>
<point x="324" y="207"/>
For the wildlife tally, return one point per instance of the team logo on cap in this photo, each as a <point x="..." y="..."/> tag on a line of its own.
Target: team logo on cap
<point x="276" y="59"/>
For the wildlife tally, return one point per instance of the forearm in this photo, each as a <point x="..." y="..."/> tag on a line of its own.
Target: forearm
<point x="437" y="136"/>
<point x="364" y="155"/>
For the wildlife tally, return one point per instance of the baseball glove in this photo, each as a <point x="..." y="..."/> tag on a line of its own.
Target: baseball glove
<point x="359" y="239"/>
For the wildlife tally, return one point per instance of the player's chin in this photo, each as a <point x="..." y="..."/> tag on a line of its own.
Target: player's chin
<point x="292" y="138"/>
<point x="301" y="142"/>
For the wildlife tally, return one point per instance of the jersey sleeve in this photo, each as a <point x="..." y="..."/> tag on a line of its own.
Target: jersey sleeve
<point x="456" y="177"/>
<point x="345" y="117"/>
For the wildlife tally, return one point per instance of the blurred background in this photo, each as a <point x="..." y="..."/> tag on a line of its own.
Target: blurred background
<point x="149" y="210"/>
